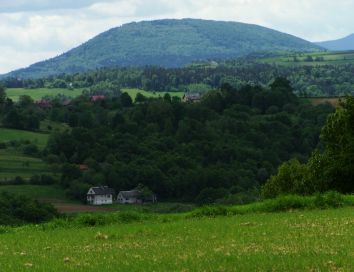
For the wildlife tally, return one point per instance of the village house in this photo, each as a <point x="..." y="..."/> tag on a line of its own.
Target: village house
<point x="135" y="197"/>
<point x="44" y="104"/>
<point x="96" y="98"/>
<point x="102" y="195"/>
<point x="192" y="97"/>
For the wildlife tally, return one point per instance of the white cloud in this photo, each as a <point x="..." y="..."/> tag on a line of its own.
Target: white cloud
<point x="33" y="30"/>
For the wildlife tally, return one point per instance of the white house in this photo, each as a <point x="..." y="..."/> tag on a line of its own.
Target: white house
<point x="100" y="195"/>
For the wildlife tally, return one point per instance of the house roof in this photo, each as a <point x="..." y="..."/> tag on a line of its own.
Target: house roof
<point x="102" y="190"/>
<point x="130" y="194"/>
<point x="193" y="96"/>
<point x="95" y="98"/>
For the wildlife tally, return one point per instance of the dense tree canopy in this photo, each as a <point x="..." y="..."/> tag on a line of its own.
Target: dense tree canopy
<point x="232" y="139"/>
<point x="330" y="167"/>
<point x="324" y="80"/>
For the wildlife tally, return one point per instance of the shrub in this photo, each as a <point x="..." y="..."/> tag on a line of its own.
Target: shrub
<point x="42" y="180"/>
<point x="18" y="181"/>
<point x="17" y="210"/>
<point x="92" y="220"/>
<point x="329" y="200"/>
<point x="290" y="179"/>
<point x="286" y="203"/>
<point x="30" y="149"/>
<point x="211" y="211"/>
<point x="210" y="195"/>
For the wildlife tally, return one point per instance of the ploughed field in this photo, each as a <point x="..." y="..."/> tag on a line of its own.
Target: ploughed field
<point x="318" y="240"/>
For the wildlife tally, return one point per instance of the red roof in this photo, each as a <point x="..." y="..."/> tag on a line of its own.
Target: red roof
<point x="44" y="103"/>
<point x="83" y="167"/>
<point x="95" y="98"/>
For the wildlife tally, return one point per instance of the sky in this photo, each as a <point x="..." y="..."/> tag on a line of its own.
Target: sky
<point x="35" y="30"/>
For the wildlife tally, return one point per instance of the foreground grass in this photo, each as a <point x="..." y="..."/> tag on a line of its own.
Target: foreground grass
<point x="13" y="164"/>
<point x="320" y="240"/>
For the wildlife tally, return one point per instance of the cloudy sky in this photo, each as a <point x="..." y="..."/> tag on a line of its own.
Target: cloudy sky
<point x="34" y="30"/>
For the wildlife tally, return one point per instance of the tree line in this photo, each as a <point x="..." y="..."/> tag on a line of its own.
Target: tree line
<point x="324" y="80"/>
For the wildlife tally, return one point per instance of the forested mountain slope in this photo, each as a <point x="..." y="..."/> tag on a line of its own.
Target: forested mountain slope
<point x="169" y="43"/>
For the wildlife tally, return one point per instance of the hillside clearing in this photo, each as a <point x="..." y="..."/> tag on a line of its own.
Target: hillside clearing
<point x="37" y="94"/>
<point x="7" y="135"/>
<point x="321" y="240"/>
<point x="311" y="59"/>
<point x="13" y="164"/>
<point x="134" y="92"/>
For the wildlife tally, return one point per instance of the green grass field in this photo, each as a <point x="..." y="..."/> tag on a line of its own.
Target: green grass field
<point x="134" y="92"/>
<point x="37" y="94"/>
<point x="38" y="192"/>
<point x="327" y="58"/>
<point x="7" y="135"/>
<point x="319" y="240"/>
<point x="13" y="164"/>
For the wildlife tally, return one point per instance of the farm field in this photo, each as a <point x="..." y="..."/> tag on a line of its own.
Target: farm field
<point x="134" y="92"/>
<point x="37" y="94"/>
<point x="13" y="164"/>
<point x="334" y="101"/>
<point x="319" y="58"/>
<point x="319" y="240"/>
<point x="7" y="135"/>
<point x="39" y="192"/>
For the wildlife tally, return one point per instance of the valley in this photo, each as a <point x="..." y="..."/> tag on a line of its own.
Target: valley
<point x="174" y="144"/>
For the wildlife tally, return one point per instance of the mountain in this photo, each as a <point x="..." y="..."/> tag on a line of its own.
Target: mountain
<point x="343" y="44"/>
<point x="169" y="43"/>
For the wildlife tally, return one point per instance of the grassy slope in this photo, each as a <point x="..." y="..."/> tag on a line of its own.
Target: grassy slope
<point x="7" y="135"/>
<point x="36" y="191"/>
<point x="13" y="164"/>
<point x="134" y="92"/>
<point x="37" y="94"/>
<point x="321" y="240"/>
<point x="330" y="58"/>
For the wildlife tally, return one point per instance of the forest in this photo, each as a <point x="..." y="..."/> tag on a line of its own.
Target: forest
<point x="221" y="149"/>
<point x="306" y="80"/>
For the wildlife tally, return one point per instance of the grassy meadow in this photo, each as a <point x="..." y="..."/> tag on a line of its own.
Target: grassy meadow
<point x="327" y="58"/>
<point x="134" y="92"/>
<point x="13" y="164"/>
<point x="318" y="240"/>
<point x="37" y="94"/>
<point x="7" y="135"/>
<point x="39" y="192"/>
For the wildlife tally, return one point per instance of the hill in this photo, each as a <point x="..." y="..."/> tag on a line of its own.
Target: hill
<point x="346" y="43"/>
<point x="169" y="43"/>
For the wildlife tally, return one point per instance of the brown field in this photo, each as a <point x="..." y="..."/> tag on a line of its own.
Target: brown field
<point x="334" y="101"/>
<point x="68" y="208"/>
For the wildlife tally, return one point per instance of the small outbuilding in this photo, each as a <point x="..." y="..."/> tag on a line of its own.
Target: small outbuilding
<point x="192" y="97"/>
<point x="136" y="196"/>
<point x="102" y="195"/>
